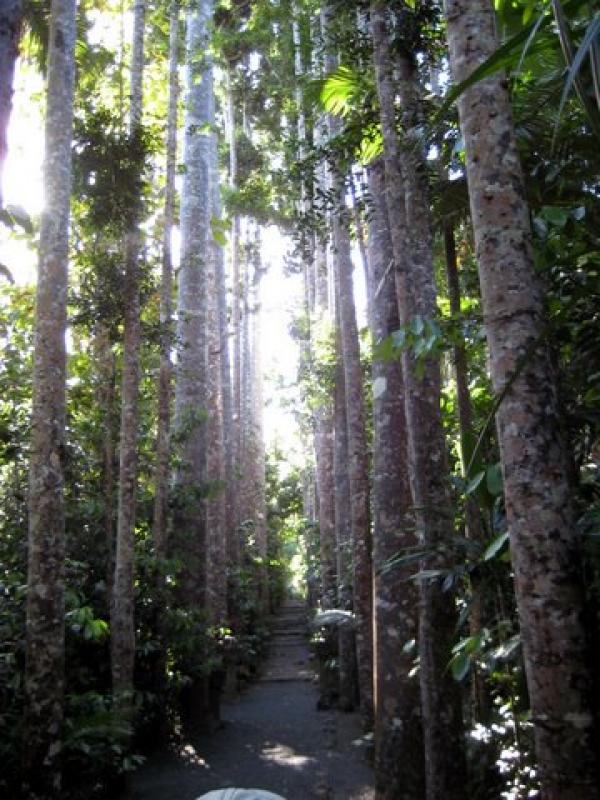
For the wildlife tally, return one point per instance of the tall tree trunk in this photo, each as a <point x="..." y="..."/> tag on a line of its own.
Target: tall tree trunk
<point x="409" y="214"/>
<point x="348" y="684"/>
<point x="215" y="463"/>
<point x="123" y="602"/>
<point x="359" y="227"/>
<point x="257" y="426"/>
<point x="231" y="538"/>
<point x="355" y="420"/>
<point x="11" y="17"/>
<point x="314" y="253"/>
<point x="236" y="318"/>
<point x="190" y="384"/>
<point x="399" y="764"/>
<point x="543" y="537"/>
<point x="357" y="469"/>
<point x="45" y="613"/>
<point x="163" y="445"/>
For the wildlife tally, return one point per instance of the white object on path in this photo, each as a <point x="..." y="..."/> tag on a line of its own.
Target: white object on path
<point x="240" y="794"/>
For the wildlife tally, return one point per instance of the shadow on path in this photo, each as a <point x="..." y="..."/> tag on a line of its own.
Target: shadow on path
<point x="273" y="738"/>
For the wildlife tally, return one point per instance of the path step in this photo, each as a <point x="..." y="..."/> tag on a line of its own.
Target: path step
<point x="289" y="657"/>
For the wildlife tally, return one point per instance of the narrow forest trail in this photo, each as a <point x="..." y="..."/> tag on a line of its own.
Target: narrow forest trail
<point x="273" y="737"/>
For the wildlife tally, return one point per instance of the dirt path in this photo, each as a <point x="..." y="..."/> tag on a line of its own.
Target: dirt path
<point x="273" y="738"/>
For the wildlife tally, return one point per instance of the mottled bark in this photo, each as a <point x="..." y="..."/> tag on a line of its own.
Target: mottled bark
<point x="410" y="220"/>
<point x="257" y="407"/>
<point x="215" y="451"/>
<point x="236" y="317"/>
<point x="163" y="443"/>
<point x="123" y="601"/>
<point x="544" y="542"/>
<point x="189" y="533"/>
<point x="314" y="251"/>
<point x="355" y="420"/>
<point x="324" y="445"/>
<point x="361" y="240"/>
<point x="45" y="612"/>
<point x="252" y="463"/>
<point x="348" y="685"/>
<point x="11" y="17"/>
<point x="232" y="541"/>
<point x="399" y="764"/>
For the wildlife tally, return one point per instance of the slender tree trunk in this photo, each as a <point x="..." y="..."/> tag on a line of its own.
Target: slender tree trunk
<point x="359" y="227"/>
<point x="45" y="613"/>
<point x="409" y="214"/>
<point x="314" y="252"/>
<point x="399" y="764"/>
<point x="357" y="444"/>
<point x="162" y="475"/>
<point x="190" y="539"/>
<point x="123" y="602"/>
<point x="544" y="541"/>
<point x="348" y="684"/>
<point x="236" y="319"/>
<point x="257" y="409"/>
<point x="357" y="469"/>
<point x="11" y="17"/>
<point x="163" y="445"/>
<point x="230" y="522"/>
<point x="215" y="464"/>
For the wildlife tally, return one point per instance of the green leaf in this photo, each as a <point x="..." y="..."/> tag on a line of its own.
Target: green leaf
<point x="585" y="49"/>
<point x="16" y="215"/>
<point x="6" y="273"/>
<point x="417" y="325"/>
<point x="475" y="482"/>
<point x="495" y="546"/>
<point x="339" y="90"/>
<point x="219" y="238"/>
<point x="505" y="56"/>
<point x="384" y="350"/>
<point x="460" y="666"/>
<point x="507" y="649"/>
<point x="493" y="480"/>
<point x="399" y="339"/>
<point x="555" y="216"/>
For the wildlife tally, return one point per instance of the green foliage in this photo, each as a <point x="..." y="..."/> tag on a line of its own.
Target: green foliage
<point x="108" y="170"/>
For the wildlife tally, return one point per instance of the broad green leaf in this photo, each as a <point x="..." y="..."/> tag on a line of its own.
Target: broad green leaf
<point x="384" y="350"/>
<point x="555" y="216"/>
<point x="338" y="91"/>
<point x="493" y="480"/>
<point x="507" y="649"/>
<point x="506" y="55"/>
<point x="475" y="482"/>
<point x="428" y="574"/>
<point x="495" y="546"/>
<point x="17" y="215"/>
<point x="417" y="325"/>
<point x="399" y="339"/>
<point x="585" y="49"/>
<point x="460" y="666"/>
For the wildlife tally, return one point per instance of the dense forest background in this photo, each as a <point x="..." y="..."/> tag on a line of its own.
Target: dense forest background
<point x="441" y="515"/>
